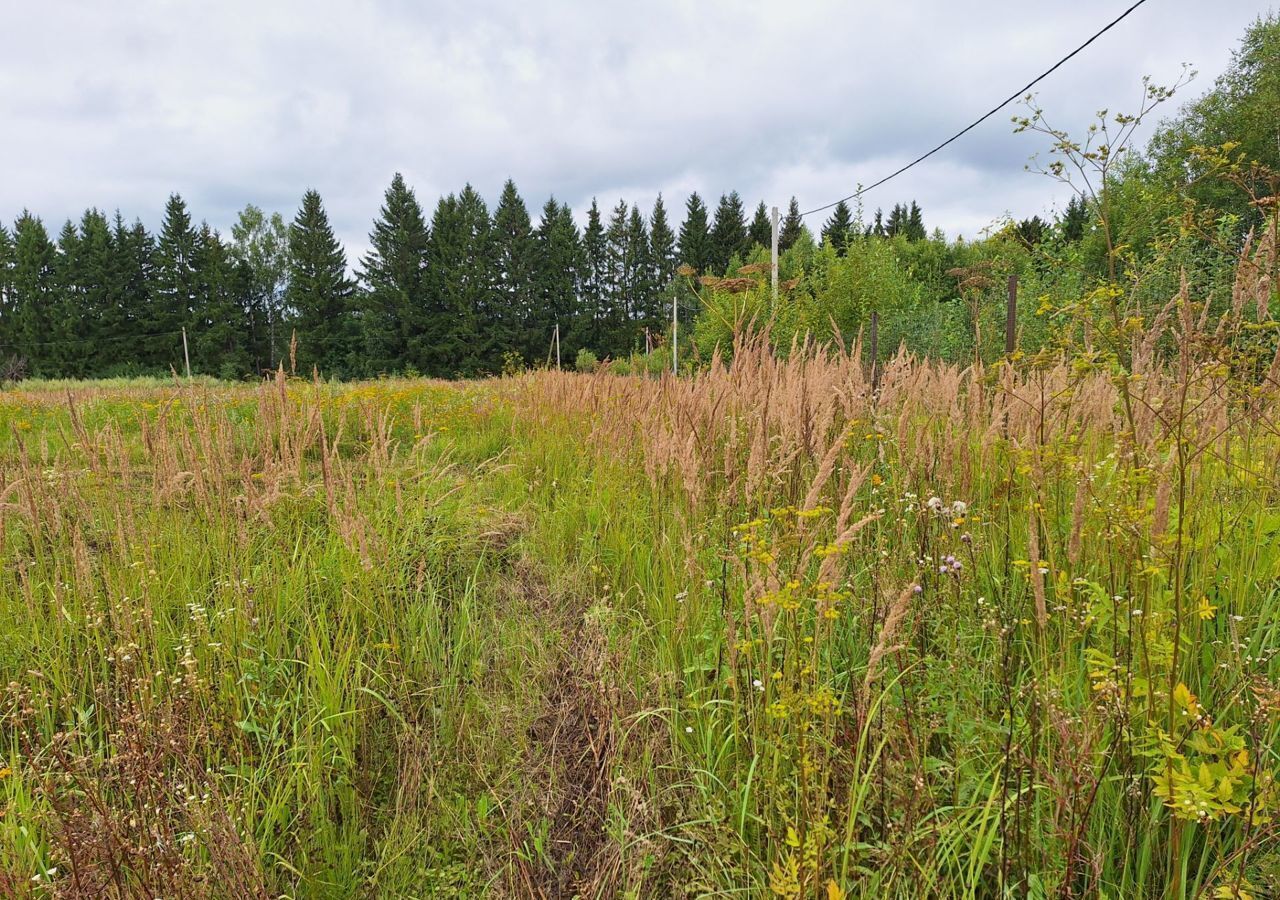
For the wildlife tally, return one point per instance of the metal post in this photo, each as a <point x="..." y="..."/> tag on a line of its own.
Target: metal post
<point x="1011" y="318"/>
<point x="185" y="355"/>
<point x="774" y="267"/>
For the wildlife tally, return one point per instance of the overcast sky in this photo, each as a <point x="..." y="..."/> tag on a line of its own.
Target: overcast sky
<point x="116" y="105"/>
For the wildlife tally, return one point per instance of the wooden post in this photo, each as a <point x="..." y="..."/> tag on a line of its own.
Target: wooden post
<point x="557" y="346"/>
<point x="774" y="266"/>
<point x="1011" y="318"/>
<point x="186" y="356"/>
<point x="675" y="329"/>
<point x="875" y="350"/>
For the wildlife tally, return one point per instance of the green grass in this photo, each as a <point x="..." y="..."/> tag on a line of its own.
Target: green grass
<point x="503" y="639"/>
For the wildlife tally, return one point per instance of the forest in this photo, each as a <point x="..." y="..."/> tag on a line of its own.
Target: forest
<point x="469" y="291"/>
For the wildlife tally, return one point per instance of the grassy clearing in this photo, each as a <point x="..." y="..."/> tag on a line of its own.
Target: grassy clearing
<point x="758" y="632"/>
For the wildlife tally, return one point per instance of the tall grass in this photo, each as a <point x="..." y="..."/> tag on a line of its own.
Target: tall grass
<point x="759" y="631"/>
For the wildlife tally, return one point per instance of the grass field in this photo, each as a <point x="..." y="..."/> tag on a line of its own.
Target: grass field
<point x="757" y="632"/>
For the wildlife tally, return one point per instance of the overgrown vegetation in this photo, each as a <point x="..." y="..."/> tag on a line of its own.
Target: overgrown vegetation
<point x="807" y="620"/>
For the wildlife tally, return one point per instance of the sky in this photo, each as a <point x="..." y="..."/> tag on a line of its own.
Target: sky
<point x="116" y="105"/>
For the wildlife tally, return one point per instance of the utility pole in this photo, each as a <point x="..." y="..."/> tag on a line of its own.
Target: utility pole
<point x="186" y="356"/>
<point x="774" y="269"/>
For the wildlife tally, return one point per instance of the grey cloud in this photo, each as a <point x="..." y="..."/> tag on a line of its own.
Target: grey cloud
<point x="249" y="102"/>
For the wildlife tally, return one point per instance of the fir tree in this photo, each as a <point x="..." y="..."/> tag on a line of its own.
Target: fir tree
<point x="319" y="291"/>
<point x="897" y="223"/>
<point x="393" y="302"/>
<point x="594" y="280"/>
<point x="33" y="294"/>
<point x="558" y="264"/>
<point x="760" y="234"/>
<point x="838" y="230"/>
<point x="218" y="342"/>
<point x="695" y="236"/>
<point x="68" y="339"/>
<point x="460" y="275"/>
<point x="1074" y="219"/>
<point x="641" y="281"/>
<point x="728" y="232"/>
<point x="617" y="293"/>
<point x="915" y="223"/>
<point x="791" y="228"/>
<point x="131" y="278"/>
<point x="174" y="286"/>
<point x="512" y="325"/>
<point x="662" y="245"/>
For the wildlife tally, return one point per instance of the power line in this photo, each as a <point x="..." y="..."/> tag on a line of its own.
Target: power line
<point x="991" y="112"/>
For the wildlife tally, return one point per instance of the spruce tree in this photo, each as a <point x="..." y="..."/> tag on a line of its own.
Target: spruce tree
<point x="175" y="286"/>
<point x="68" y="339"/>
<point x="594" y="279"/>
<point x="512" y="326"/>
<point x="791" y="228"/>
<point x="838" y="230"/>
<point x="319" y="292"/>
<point x="728" y="232"/>
<point x="915" y="223"/>
<point x="460" y="276"/>
<point x="219" y="339"/>
<point x="393" y="302"/>
<point x="760" y="234"/>
<point x="33" y="294"/>
<point x="897" y="223"/>
<point x="558" y="262"/>
<point x="617" y="288"/>
<point x="662" y="245"/>
<point x="98" y="314"/>
<point x="1074" y="219"/>
<point x="641" y="282"/>
<point x="131" y="281"/>
<point x="695" y="236"/>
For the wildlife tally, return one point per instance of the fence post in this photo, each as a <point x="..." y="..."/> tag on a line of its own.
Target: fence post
<point x="773" y="270"/>
<point x="1011" y="318"/>
<point x="875" y="350"/>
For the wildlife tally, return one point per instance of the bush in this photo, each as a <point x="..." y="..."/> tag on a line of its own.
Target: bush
<point x="586" y="361"/>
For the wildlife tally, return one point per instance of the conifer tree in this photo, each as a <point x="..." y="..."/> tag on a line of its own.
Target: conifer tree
<point x="33" y="293"/>
<point x="728" y="232"/>
<point x="897" y="223"/>
<point x="760" y="234"/>
<point x="558" y="263"/>
<point x="595" y="279"/>
<point x="131" y="279"/>
<point x="319" y="291"/>
<point x="393" y="302"/>
<point x="97" y="312"/>
<point x="460" y="276"/>
<point x="174" y="286"/>
<point x="67" y="339"/>
<point x="695" y="235"/>
<point x="838" y="230"/>
<point x="641" y="282"/>
<point x="792" y="226"/>
<point x="617" y="293"/>
<point x="915" y="223"/>
<point x="512" y="326"/>
<point x="486" y="308"/>
<point x="219" y="339"/>
<point x="662" y="246"/>
<point x="1074" y="219"/>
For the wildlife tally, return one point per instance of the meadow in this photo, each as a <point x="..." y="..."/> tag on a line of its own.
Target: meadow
<point x="1003" y="631"/>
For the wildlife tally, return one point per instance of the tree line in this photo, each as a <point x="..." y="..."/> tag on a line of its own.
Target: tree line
<point x="461" y="293"/>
